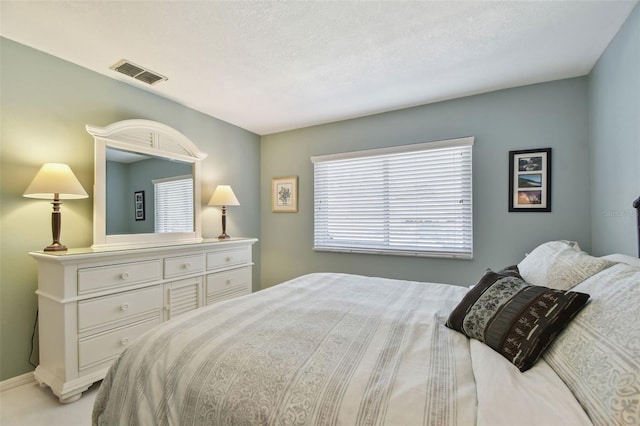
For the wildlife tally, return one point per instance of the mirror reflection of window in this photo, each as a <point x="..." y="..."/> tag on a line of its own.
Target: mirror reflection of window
<point x="174" y="204"/>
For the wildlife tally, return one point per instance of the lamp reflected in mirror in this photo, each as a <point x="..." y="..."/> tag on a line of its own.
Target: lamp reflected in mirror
<point x="55" y="181"/>
<point x="224" y="196"/>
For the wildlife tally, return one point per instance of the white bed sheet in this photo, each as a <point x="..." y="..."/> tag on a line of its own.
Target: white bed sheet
<point x="507" y="397"/>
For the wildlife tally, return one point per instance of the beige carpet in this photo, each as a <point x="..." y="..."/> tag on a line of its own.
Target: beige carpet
<point x="32" y="405"/>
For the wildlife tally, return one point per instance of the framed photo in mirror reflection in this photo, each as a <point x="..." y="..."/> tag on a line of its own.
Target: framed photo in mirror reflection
<point x="138" y="199"/>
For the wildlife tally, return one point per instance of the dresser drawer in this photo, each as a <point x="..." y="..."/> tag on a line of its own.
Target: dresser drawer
<point x="220" y="259"/>
<point x="183" y="265"/>
<point x="103" y="277"/>
<point x="106" y="346"/>
<point x="229" y="284"/>
<point x="110" y="309"/>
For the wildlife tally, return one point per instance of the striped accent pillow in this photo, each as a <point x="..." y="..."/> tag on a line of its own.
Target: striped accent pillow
<point x="516" y="319"/>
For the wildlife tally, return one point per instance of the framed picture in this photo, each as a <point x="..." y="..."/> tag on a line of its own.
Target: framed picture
<point x="138" y="200"/>
<point x="530" y="180"/>
<point x="284" y="194"/>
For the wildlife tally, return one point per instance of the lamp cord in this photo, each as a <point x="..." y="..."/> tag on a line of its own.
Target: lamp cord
<point x="33" y="335"/>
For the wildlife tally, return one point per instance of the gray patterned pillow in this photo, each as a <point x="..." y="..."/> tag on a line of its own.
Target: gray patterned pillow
<point x="517" y="320"/>
<point x="598" y="357"/>
<point x="560" y="265"/>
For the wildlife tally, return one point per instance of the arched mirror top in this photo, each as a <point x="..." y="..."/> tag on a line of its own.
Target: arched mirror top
<point x="148" y="136"/>
<point x="131" y="157"/>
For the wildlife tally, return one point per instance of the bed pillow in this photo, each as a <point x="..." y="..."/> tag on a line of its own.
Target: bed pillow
<point x="623" y="258"/>
<point x="514" y="318"/>
<point x="598" y="357"/>
<point x="560" y="265"/>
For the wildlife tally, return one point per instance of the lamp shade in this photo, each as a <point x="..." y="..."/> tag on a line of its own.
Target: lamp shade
<point x="55" y="180"/>
<point x="223" y="196"/>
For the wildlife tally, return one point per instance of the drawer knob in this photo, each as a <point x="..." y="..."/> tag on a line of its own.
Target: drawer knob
<point x="124" y="307"/>
<point x="124" y="275"/>
<point x="229" y="281"/>
<point x="228" y="258"/>
<point x="124" y="341"/>
<point x="187" y="265"/>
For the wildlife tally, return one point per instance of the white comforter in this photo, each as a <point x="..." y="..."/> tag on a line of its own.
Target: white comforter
<point x="328" y="349"/>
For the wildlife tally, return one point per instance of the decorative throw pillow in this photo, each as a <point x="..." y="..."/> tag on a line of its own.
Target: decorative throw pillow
<point x="560" y="265"/>
<point x="516" y="319"/>
<point x="598" y="357"/>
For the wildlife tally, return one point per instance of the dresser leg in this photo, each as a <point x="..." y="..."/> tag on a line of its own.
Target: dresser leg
<point x="69" y="399"/>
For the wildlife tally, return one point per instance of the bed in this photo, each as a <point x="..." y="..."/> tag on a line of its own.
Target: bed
<point x="340" y="349"/>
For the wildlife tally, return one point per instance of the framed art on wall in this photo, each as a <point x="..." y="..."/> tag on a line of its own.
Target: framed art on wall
<point x="530" y="180"/>
<point x="138" y="199"/>
<point x="284" y="194"/>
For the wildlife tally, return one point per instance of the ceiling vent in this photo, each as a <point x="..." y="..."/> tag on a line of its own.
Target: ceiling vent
<point x="139" y="73"/>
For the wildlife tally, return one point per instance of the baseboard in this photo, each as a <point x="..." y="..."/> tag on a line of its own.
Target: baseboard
<point x="14" y="382"/>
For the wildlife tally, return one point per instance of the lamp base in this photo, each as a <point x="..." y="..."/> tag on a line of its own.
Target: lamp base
<point x="223" y="236"/>
<point x="56" y="220"/>
<point x="55" y="247"/>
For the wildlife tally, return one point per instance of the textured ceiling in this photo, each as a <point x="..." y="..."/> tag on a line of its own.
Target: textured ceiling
<point x="271" y="66"/>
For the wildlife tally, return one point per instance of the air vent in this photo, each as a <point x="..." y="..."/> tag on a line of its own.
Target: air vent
<point x="139" y="73"/>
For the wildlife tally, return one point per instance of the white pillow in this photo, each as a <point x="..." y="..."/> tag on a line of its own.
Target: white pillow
<point x="560" y="265"/>
<point x="623" y="258"/>
<point x="598" y="354"/>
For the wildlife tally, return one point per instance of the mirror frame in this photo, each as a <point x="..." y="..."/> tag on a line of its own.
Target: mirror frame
<point x="145" y="137"/>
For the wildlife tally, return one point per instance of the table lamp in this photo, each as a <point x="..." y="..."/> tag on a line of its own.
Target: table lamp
<point x="55" y="181"/>
<point x="224" y="196"/>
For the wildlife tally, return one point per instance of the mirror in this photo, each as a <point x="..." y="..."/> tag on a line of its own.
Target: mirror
<point x="147" y="185"/>
<point x="139" y="198"/>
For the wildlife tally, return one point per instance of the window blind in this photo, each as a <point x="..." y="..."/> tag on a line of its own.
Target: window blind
<point x="174" y="204"/>
<point x="411" y="200"/>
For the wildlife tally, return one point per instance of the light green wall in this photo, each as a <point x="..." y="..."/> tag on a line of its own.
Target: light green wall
<point x="117" y="180"/>
<point x="45" y="104"/>
<point x="545" y="115"/>
<point x="614" y="126"/>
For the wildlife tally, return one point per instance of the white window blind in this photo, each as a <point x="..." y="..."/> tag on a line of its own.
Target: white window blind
<point x="409" y="200"/>
<point x="174" y="204"/>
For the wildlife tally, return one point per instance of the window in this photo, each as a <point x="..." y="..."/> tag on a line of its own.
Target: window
<point x="174" y="204"/>
<point x="410" y="200"/>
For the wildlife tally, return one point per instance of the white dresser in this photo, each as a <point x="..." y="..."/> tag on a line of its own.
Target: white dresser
<point x="92" y="304"/>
